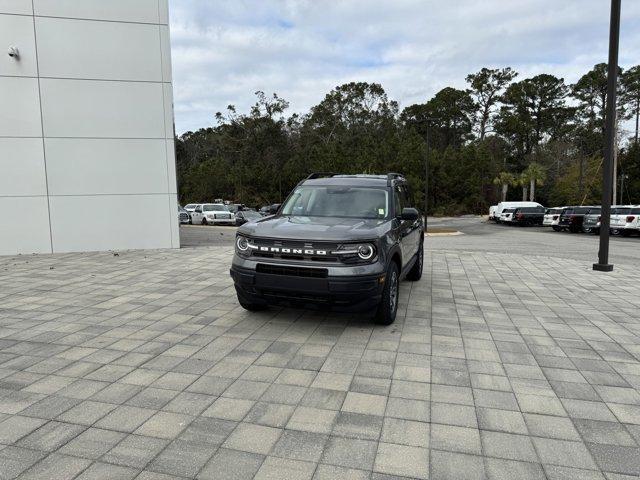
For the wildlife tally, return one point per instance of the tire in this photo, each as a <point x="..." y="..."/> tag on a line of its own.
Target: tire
<point x="587" y="230"/>
<point x="204" y="221"/>
<point x="556" y="228"/>
<point x="416" y="271"/>
<point x="614" y="231"/>
<point x="388" y="307"/>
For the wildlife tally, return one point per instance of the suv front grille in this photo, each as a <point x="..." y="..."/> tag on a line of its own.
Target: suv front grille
<point x="292" y="271"/>
<point x="291" y="254"/>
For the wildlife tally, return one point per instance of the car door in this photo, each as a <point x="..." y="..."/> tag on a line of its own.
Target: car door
<point x="409" y="229"/>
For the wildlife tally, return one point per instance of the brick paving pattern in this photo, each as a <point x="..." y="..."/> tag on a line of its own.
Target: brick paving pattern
<point x="142" y="365"/>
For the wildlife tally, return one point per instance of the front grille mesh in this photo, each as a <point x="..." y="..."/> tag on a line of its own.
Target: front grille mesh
<point x="292" y="271"/>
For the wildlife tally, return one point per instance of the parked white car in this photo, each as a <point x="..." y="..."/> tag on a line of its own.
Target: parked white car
<point x="506" y="216"/>
<point x="190" y="207"/>
<point x="502" y="205"/>
<point x="552" y="217"/>
<point x="212" y="214"/>
<point x="625" y="219"/>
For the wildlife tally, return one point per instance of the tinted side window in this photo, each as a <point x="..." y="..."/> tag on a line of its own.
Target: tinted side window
<point x="400" y="198"/>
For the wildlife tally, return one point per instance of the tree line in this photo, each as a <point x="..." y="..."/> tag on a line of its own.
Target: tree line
<point x="500" y="137"/>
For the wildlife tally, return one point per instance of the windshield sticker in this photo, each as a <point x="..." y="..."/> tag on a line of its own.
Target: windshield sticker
<point x="381" y="211"/>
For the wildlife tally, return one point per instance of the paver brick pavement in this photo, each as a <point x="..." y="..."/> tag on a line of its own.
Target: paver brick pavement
<point x="144" y="366"/>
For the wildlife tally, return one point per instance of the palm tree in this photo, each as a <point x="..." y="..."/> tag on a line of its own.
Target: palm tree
<point x="504" y="179"/>
<point x="523" y="181"/>
<point x="535" y="174"/>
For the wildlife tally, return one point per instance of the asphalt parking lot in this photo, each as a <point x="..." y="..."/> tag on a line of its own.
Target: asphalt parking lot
<point x="510" y="359"/>
<point x="479" y="235"/>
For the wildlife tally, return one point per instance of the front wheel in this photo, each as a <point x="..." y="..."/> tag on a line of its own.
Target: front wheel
<point x="204" y="221"/>
<point x="556" y="228"/>
<point x="416" y="271"/>
<point x="388" y="307"/>
<point x="587" y="230"/>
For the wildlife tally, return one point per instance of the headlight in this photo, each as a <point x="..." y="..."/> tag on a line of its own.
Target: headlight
<point x="242" y="244"/>
<point x="366" y="251"/>
<point x="363" y="252"/>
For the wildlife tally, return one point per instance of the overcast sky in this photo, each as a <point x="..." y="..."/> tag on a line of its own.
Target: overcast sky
<point x="225" y="50"/>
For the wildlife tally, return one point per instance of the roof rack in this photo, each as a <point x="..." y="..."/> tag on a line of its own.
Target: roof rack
<point x="320" y="175"/>
<point x="392" y="176"/>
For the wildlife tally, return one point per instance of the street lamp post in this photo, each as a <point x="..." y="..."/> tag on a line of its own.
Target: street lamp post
<point x="603" y="264"/>
<point x="428" y="121"/>
<point x="426" y="179"/>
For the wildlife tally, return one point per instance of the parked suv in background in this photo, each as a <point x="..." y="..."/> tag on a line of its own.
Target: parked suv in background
<point x="528" y="216"/>
<point x="212" y="214"/>
<point x="183" y="215"/>
<point x="497" y="212"/>
<point x="552" y="217"/>
<point x="625" y="219"/>
<point x="190" y="207"/>
<point x="244" y="216"/>
<point x="572" y="217"/>
<point x="506" y="216"/>
<point x="339" y="241"/>
<point x="591" y="221"/>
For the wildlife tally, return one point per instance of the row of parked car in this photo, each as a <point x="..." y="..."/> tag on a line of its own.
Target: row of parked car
<point x="221" y="213"/>
<point x="624" y="220"/>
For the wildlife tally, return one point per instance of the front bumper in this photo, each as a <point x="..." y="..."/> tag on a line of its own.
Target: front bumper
<point x="225" y="221"/>
<point x="280" y="284"/>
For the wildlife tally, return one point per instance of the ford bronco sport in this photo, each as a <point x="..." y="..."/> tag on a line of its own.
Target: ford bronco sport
<point x="341" y="242"/>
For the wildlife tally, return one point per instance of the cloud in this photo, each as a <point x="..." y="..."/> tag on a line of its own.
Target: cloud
<point x="223" y="51"/>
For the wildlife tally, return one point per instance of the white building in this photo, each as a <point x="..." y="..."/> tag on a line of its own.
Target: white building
<point x="86" y="126"/>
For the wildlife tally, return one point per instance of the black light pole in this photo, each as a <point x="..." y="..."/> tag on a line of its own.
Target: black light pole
<point x="426" y="180"/>
<point x="426" y="171"/>
<point x="603" y="264"/>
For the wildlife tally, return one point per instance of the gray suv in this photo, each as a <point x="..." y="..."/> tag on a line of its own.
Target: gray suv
<point x="341" y="242"/>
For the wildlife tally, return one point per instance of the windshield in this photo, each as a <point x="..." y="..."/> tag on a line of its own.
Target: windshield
<point x="338" y="201"/>
<point x="250" y="214"/>
<point x="190" y="205"/>
<point x="215" y="208"/>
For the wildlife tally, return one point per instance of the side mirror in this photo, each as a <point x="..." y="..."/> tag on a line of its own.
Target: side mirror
<point x="410" y="214"/>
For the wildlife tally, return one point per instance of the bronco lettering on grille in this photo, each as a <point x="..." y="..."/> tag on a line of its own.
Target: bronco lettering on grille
<point x="294" y="251"/>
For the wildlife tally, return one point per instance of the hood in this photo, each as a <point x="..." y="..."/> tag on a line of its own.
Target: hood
<point x="315" y="228"/>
